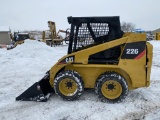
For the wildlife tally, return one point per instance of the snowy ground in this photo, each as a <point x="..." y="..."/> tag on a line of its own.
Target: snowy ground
<point x="27" y="63"/>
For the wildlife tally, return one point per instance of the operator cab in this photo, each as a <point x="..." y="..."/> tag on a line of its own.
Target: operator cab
<point x="90" y="31"/>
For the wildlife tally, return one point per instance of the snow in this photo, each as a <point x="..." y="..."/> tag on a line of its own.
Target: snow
<point x="27" y="64"/>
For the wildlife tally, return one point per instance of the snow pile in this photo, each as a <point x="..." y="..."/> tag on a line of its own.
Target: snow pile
<point x="27" y="63"/>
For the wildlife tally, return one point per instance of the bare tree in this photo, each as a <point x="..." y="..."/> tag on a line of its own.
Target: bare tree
<point x="127" y="27"/>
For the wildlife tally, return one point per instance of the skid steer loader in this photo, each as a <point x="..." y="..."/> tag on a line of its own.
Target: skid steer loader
<point x="100" y="56"/>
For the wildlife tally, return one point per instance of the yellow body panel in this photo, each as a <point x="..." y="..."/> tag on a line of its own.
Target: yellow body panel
<point x="133" y="70"/>
<point x="91" y="72"/>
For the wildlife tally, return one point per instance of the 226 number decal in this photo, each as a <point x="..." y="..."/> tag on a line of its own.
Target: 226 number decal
<point x="134" y="50"/>
<point x="131" y="51"/>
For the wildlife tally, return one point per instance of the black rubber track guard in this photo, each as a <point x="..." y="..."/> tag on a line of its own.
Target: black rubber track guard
<point x="39" y="91"/>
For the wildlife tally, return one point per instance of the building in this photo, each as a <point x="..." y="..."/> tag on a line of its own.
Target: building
<point x="5" y="37"/>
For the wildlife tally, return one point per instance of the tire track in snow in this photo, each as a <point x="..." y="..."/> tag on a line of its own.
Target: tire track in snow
<point x="140" y="114"/>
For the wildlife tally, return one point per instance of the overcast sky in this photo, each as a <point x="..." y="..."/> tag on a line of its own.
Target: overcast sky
<point x="34" y="14"/>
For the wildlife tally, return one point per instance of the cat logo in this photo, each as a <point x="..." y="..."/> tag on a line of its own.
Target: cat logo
<point x="69" y="59"/>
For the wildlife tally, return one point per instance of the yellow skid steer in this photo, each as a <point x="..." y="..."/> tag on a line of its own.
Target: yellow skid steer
<point x="101" y="57"/>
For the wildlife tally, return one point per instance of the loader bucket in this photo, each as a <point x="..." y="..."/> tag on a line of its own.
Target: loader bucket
<point x="39" y="91"/>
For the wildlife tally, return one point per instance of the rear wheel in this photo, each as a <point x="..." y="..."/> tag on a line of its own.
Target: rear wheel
<point x="68" y="85"/>
<point x="111" y="87"/>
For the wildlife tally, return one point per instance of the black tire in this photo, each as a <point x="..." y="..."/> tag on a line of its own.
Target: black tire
<point x="68" y="85"/>
<point x="49" y="43"/>
<point x="111" y="87"/>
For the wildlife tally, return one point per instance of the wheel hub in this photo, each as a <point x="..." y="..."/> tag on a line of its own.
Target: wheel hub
<point x="111" y="89"/>
<point x="69" y="84"/>
<point x="111" y="86"/>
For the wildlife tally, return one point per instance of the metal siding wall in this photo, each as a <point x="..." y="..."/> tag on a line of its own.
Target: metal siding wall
<point x="5" y="38"/>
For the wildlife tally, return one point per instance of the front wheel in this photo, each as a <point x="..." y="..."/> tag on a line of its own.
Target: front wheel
<point x="111" y="87"/>
<point x="68" y="85"/>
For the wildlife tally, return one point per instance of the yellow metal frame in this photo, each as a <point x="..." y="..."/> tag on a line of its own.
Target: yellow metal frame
<point x="53" y="37"/>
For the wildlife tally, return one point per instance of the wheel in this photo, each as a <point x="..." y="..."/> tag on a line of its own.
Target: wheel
<point x="68" y="85"/>
<point x="111" y="87"/>
<point x="49" y="43"/>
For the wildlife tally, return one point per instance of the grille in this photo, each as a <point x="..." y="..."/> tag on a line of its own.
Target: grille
<point x="89" y="33"/>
